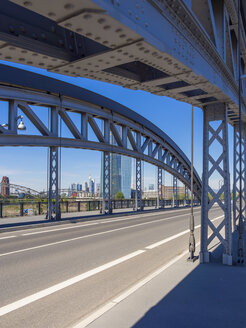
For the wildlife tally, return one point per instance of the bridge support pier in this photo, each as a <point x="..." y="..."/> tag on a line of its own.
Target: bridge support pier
<point x="159" y="188"/>
<point x="106" y="205"/>
<point x="138" y="195"/>
<point x="219" y="165"/>
<point x="53" y="197"/>
<point x="175" y="191"/>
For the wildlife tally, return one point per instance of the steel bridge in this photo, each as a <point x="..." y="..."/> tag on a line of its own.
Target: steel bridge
<point x="18" y="190"/>
<point x="135" y="136"/>
<point x="190" y="50"/>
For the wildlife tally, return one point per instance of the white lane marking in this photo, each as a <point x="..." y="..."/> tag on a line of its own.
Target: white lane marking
<point x="48" y="291"/>
<point x="166" y="240"/>
<point x="104" y="222"/>
<point x="87" y="236"/>
<point x="95" y="315"/>
<point x="108" y="306"/>
<point x="7" y="237"/>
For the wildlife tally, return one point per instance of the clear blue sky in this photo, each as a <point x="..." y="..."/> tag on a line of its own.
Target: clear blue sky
<point x="27" y="166"/>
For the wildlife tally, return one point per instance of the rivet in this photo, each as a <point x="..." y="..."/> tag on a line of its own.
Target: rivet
<point x="51" y="14"/>
<point x="87" y="16"/>
<point x="34" y="35"/>
<point x="107" y="27"/>
<point x="68" y="25"/>
<point x="68" y="6"/>
<point x="43" y="35"/>
<point x="101" y="20"/>
<point x="27" y="3"/>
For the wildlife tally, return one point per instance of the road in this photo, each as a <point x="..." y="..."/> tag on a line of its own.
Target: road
<point x="55" y="276"/>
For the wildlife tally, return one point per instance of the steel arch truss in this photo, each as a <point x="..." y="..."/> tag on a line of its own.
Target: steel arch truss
<point x="132" y="139"/>
<point x="219" y="165"/>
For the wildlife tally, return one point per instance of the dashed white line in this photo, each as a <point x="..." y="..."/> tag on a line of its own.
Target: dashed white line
<point x="7" y="237"/>
<point x="102" y="222"/>
<point x="87" y="236"/>
<point x="166" y="240"/>
<point x="48" y="291"/>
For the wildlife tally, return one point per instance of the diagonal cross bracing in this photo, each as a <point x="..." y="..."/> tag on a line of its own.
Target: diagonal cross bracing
<point x="210" y="197"/>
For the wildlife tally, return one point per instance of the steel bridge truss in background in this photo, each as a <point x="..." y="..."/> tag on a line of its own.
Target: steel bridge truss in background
<point x="134" y="136"/>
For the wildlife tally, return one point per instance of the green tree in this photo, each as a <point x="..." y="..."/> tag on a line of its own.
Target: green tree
<point x="119" y="195"/>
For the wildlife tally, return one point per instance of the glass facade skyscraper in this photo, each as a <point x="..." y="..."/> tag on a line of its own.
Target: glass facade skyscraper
<point x="121" y="173"/>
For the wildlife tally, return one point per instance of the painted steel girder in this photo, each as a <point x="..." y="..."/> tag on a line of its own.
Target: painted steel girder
<point x="182" y="63"/>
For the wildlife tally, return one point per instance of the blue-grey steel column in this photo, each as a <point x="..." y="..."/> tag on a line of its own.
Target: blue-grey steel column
<point x="106" y="174"/>
<point x="159" y="188"/>
<point x="138" y="195"/>
<point x="175" y="191"/>
<point x="53" y="197"/>
<point x="186" y="198"/>
<point x="211" y="113"/>
<point x="106" y="183"/>
<point x="236" y="177"/>
<point x="240" y="249"/>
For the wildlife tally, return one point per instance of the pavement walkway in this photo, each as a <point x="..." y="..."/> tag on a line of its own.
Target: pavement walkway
<point x="182" y="294"/>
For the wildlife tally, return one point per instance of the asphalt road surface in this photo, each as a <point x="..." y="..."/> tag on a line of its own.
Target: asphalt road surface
<point x="55" y="276"/>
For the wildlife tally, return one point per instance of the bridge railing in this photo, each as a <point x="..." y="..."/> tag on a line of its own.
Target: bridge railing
<point x="33" y="208"/>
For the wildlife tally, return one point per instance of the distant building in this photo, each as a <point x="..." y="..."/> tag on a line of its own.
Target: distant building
<point x="151" y="186"/>
<point x="120" y="173"/>
<point x="91" y="185"/>
<point x="167" y="191"/>
<point x="73" y="186"/>
<point x="5" y="186"/>
<point x="97" y="190"/>
<point x="79" y="187"/>
<point x="86" y="188"/>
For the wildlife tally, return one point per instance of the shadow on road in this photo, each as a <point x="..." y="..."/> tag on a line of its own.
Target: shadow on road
<point x="212" y="295"/>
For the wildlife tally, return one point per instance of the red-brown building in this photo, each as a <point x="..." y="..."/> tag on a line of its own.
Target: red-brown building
<point x="5" y="186"/>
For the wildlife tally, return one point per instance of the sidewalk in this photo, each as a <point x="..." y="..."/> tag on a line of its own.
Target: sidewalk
<point x="183" y="295"/>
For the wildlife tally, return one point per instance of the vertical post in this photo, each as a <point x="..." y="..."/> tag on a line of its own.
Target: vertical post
<point x="240" y="251"/>
<point x="53" y="194"/>
<point x="217" y="112"/>
<point x="192" y="243"/>
<point x="159" y="188"/>
<point x="175" y="191"/>
<point x="53" y="199"/>
<point x="186" y="196"/>
<point x="138" y="185"/>
<point x="107" y="209"/>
